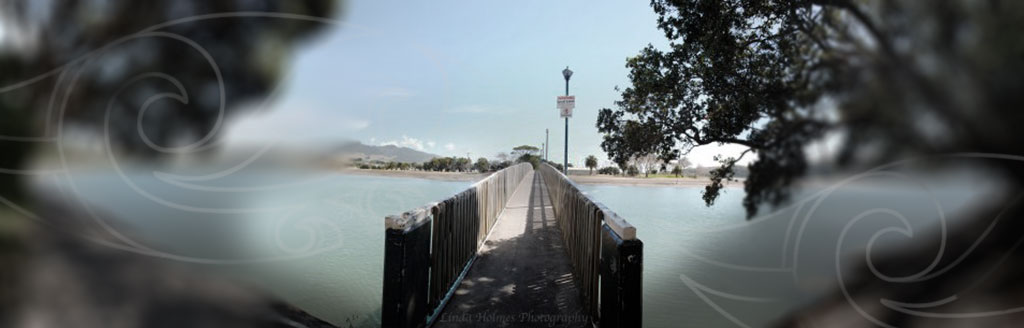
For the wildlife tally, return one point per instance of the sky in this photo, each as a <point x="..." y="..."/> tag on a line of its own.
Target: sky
<point x="457" y="78"/>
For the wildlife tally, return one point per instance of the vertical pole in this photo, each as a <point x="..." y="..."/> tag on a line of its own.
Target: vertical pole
<point x="546" y="144"/>
<point x="565" y="161"/>
<point x="621" y="280"/>
<point x="406" y="271"/>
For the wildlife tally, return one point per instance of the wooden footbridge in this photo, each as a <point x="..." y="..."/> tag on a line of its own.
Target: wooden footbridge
<point x="520" y="248"/>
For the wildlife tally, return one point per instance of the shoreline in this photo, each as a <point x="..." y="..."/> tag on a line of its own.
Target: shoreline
<point x="580" y="179"/>
<point x="429" y="175"/>
<point x="647" y="182"/>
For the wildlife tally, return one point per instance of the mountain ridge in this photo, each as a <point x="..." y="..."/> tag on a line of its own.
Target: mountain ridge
<point x="356" y="149"/>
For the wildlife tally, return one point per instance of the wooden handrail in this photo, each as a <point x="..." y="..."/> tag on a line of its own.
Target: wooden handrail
<point x="428" y="249"/>
<point x="604" y="250"/>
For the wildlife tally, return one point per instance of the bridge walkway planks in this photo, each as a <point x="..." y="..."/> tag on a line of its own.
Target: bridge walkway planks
<point x="522" y="276"/>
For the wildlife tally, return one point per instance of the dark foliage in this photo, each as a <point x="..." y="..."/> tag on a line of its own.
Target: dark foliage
<point x="609" y="170"/>
<point x="777" y="76"/>
<point x="159" y="77"/>
<point x="591" y="163"/>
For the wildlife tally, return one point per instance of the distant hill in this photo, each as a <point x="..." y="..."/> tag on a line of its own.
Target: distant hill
<point x="740" y="171"/>
<point x="355" y="149"/>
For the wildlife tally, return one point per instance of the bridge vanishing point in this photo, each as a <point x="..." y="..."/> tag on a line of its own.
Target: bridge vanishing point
<point x="520" y="248"/>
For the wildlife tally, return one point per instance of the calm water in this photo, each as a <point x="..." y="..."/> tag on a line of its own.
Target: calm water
<point x="317" y="239"/>
<point x="711" y="267"/>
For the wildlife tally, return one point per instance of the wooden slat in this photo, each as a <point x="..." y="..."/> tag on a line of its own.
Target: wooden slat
<point x="581" y="220"/>
<point x="461" y="222"/>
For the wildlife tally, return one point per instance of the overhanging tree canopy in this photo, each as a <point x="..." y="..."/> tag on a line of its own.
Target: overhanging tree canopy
<point x="157" y="77"/>
<point x="775" y="76"/>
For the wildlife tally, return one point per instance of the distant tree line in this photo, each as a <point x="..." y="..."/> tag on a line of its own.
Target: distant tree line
<point x="520" y="154"/>
<point x="650" y="164"/>
<point x="437" y="164"/>
<point x="448" y="164"/>
<point x="530" y="154"/>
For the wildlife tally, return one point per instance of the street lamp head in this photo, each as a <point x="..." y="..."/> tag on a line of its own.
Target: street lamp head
<point x="566" y="73"/>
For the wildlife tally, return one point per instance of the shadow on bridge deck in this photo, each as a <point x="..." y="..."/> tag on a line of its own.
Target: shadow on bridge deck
<point x="522" y="276"/>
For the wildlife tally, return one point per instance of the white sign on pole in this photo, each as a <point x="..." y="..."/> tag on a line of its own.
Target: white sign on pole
<point x="566" y="104"/>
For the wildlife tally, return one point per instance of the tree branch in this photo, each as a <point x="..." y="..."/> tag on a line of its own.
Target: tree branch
<point x="744" y="153"/>
<point x="743" y="142"/>
<point x="883" y="41"/>
<point x="864" y="20"/>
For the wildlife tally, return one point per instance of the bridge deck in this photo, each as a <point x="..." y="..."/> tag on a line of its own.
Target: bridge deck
<point x="522" y="276"/>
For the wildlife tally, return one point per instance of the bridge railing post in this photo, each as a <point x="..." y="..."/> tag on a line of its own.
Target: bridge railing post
<point x="606" y="255"/>
<point x="621" y="280"/>
<point x="428" y="249"/>
<point x="406" y="269"/>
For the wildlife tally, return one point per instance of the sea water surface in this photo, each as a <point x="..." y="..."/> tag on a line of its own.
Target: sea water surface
<point x="316" y="239"/>
<point x="712" y="266"/>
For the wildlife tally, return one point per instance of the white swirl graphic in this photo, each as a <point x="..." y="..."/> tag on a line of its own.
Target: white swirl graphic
<point x="301" y="228"/>
<point x="798" y="216"/>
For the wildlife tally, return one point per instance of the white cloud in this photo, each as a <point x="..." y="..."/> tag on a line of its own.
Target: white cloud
<point x="431" y="144"/>
<point x="413" y="143"/>
<point x="449" y="146"/>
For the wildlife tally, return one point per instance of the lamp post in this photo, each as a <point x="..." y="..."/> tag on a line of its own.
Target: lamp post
<point x="565" y="162"/>
<point x="546" y="143"/>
